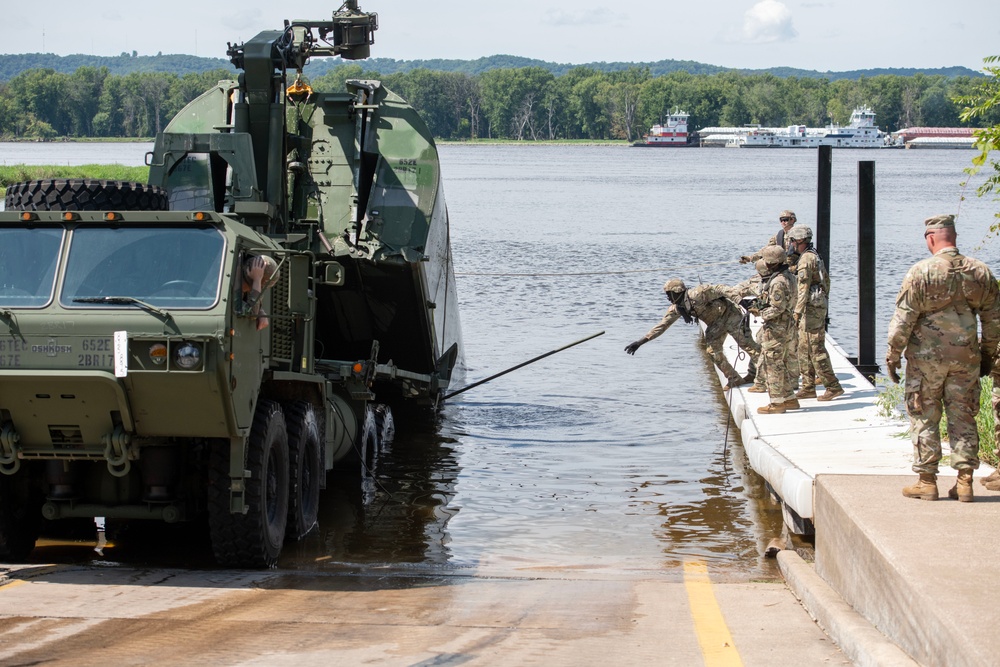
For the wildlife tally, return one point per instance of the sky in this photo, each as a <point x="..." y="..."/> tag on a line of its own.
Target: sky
<point x="823" y="35"/>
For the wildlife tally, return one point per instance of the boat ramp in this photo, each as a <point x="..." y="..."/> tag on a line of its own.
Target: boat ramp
<point x="908" y="567"/>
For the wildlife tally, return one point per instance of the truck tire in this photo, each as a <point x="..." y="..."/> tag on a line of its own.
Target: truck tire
<point x="305" y="465"/>
<point x="368" y="443"/>
<point x="253" y="539"/>
<point x="385" y="426"/>
<point x="20" y="518"/>
<point x="72" y="194"/>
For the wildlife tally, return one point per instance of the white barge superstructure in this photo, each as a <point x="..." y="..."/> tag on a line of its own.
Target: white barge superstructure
<point x="861" y="132"/>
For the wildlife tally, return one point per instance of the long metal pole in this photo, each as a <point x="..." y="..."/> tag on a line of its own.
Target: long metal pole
<point x="823" y="190"/>
<point x="523" y="364"/>
<point x="866" y="269"/>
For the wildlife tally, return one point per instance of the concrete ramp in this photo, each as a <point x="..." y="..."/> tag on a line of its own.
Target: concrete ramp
<point x="924" y="573"/>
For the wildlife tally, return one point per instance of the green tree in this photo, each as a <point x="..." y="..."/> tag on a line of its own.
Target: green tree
<point x="982" y="106"/>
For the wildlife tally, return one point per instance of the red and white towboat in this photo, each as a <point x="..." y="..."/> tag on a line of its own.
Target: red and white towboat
<point x="673" y="133"/>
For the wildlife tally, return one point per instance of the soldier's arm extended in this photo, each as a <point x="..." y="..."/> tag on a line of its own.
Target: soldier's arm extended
<point x="671" y="316"/>
<point x="750" y="259"/>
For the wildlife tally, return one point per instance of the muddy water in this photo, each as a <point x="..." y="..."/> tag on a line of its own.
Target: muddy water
<point x="592" y="458"/>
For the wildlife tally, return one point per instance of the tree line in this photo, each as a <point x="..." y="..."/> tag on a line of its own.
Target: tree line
<point x="527" y="103"/>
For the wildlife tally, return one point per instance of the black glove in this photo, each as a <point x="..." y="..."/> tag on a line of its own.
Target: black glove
<point x="632" y="347"/>
<point x="985" y="365"/>
<point x="892" y="366"/>
<point x="745" y="259"/>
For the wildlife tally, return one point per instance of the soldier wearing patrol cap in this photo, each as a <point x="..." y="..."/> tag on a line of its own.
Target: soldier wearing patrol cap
<point x="942" y="303"/>
<point x="811" y="306"/>
<point x="787" y="220"/>
<point x="721" y="316"/>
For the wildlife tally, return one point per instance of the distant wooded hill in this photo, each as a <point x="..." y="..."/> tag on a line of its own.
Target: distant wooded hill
<point x="13" y="64"/>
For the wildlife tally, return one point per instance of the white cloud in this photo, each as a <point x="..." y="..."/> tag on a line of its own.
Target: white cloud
<point x="767" y="21"/>
<point x="596" y="16"/>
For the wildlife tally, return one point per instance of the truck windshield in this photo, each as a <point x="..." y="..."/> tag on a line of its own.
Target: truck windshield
<point x="170" y="267"/>
<point x="28" y="260"/>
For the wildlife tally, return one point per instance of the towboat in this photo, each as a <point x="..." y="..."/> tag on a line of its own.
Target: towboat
<point x="672" y="133"/>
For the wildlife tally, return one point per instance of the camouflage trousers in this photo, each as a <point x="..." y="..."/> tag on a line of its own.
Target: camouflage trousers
<point x="715" y="337"/>
<point x="775" y="345"/>
<point x="956" y="386"/>
<point x="792" y="365"/>
<point x="814" y="361"/>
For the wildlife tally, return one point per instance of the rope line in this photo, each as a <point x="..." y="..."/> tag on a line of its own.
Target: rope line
<point x="594" y="273"/>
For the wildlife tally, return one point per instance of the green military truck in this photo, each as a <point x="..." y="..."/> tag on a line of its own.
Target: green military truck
<point x="212" y="342"/>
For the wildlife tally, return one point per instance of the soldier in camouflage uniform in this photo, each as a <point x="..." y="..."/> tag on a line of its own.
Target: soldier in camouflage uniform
<point x="778" y="301"/>
<point x="787" y="220"/>
<point x="810" y="317"/>
<point x="936" y="324"/>
<point x="721" y="316"/>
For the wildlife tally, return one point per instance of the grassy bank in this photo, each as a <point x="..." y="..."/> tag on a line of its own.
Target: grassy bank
<point x="890" y="402"/>
<point x="106" y="172"/>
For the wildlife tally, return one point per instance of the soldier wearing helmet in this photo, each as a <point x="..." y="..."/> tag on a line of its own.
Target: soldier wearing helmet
<point x="777" y="293"/>
<point x="709" y="304"/>
<point x="811" y="304"/>
<point x="787" y="220"/>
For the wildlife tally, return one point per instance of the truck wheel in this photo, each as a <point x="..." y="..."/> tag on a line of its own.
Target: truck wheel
<point x="385" y="426"/>
<point x="253" y="539"/>
<point x="368" y="443"/>
<point x="77" y="194"/>
<point x="305" y="468"/>
<point x="20" y="518"/>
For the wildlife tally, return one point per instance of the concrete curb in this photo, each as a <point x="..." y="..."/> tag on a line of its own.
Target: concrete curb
<point x="861" y="642"/>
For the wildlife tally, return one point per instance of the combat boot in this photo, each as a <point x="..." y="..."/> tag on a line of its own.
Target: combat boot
<point x="758" y="389"/>
<point x="991" y="481"/>
<point x="962" y="491"/>
<point x="792" y="404"/>
<point x="806" y="392"/>
<point x="772" y="409"/>
<point x="924" y="489"/>
<point x="831" y="394"/>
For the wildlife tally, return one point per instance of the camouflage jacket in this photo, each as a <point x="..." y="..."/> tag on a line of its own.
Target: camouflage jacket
<point x="779" y="295"/>
<point x="937" y="307"/>
<point x="704" y="302"/>
<point x="750" y="287"/>
<point x="810" y="272"/>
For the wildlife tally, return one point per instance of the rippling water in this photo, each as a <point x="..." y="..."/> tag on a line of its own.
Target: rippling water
<point x="592" y="458"/>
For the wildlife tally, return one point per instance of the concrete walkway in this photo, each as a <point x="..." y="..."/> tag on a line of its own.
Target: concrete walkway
<point x="914" y="570"/>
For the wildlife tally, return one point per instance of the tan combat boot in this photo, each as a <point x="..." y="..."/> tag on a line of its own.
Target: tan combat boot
<point x="962" y="490"/>
<point x="772" y="409"/>
<point x="991" y="481"/>
<point x="806" y="392"/>
<point x="925" y="488"/>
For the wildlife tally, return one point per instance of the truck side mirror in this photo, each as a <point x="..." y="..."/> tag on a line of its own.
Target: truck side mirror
<point x="299" y="297"/>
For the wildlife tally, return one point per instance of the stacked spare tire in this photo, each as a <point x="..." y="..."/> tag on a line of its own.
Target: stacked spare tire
<point x="71" y="194"/>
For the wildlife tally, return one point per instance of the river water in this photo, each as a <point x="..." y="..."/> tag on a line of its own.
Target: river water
<point x="592" y="458"/>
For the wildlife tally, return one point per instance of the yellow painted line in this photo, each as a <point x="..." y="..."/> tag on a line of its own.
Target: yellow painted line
<point x="717" y="647"/>
<point x="13" y="583"/>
